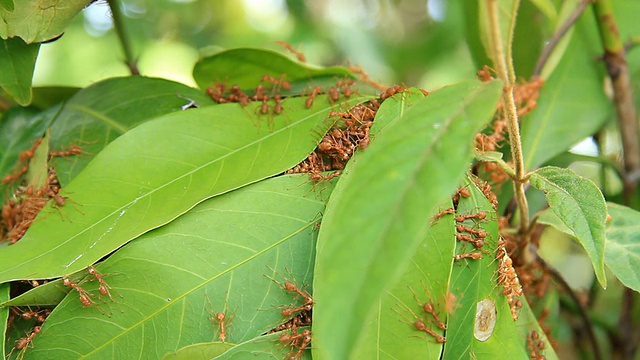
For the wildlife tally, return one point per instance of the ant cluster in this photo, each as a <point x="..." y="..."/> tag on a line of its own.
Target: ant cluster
<point x="420" y="324"/>
<point x="508" y="278"/>
<point x="525" y="96"/>
<point x="20" y="209"/>
<point x="39" y="316"/>
<point x="298" y="316"/>
<point x="536" y="346"/>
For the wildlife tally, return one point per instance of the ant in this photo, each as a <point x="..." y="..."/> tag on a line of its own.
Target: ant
<point x="222" y="320"/>
<point x="478" y="233"/>
<point x="448" y="211"/>
<point x="420" y="325"/>
<point x="478" y="216"/>
<point x="71" y="150"/>
<point x="104" y="288"/>
<point x="277" y="82"/>
<point x="429" y="309"/>
<point x="26" y="341"/>
<point x="300" y="56"/>
<point x="40" y="316"/>
<point x="85" y="296"/>
<point x="472" y="255"/>
<point x="314" y="92"/>
<point x="478" y="243"/>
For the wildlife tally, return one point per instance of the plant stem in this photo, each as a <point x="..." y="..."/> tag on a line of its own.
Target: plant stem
<point x="618" y="70"/>
<point x="511" y="114"/>
<point x="118" y="23"/>
<point x="555" y="39"/>
<point x="581" y="308"/>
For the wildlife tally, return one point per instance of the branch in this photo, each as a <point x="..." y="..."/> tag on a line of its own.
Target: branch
<point x="581" y="308"/>
<point x="118" y="23"/>
<point x="555" y="39"/>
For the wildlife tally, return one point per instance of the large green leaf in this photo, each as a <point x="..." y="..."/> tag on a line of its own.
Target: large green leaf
<point x="166" y="283"/>
<point x="154" y="173"/>
<point x="390" y="331"/>
<point x="38" y="20"/>
<point x="98" y="114"/>
<point x="578" y="202"/>
<point x="622" y="254"/>
<point x="473" y="282"/>
<point x="377" y="214"/>
<point x="246" y="66"/>
<point x="17" y="61"/>
<point x="571" y="105"/>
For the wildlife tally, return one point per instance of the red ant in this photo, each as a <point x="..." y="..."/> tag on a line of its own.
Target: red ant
<point x="479" y="233"/>
<point x="429" y="309"/>
<point x="314" y="92"/>
<point x="478" y="216"/>
<point x="221" y="319"/>
<point x="443" y="213"/>
<point x="389" y="92"/>
<point x="478" y="243"/>
<point x="71" y="150"/>
<point x="420" y="325"/>
<point x="277" y="82"/>
<point x="85" y="296"/>
<point x="26" y="341"/>
<point x="300" y="56"/>
<point x="472" y="255"/>
<point x="104" y="288"/>
<point x="40" y="316"/>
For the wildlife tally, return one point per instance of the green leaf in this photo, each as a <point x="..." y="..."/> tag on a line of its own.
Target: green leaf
<point x="17" y="61"/>
<point x="167" y="283"/>
<point x="45" y="97"/>
<point x="574" y="91"/>
<point x="156" y="172"/>
<point x="377" y="214"/>
<point x="47" y="294"/>
<point x="38" y="20"/>
<point x="261" y="348"/>
<point x="390" y="331"/>
<point x="622" y="254"/>
<point x="580" y="205"/>
<point x="393" y="108"/>
<point x="474" y="284"/>
<point x="4" y="317"/>
<point x="7" y="5"/>
<point x="199" y="351"/>
<point x="246" y="66"/>
<point x="547" y="8"/>
<point x="100" y="113"/>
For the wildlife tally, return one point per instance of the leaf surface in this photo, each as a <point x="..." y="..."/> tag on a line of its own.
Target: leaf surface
<point x="156" y="172"/>
<point x="370" y="229"/>
<point x="622" y="254"/>
<point x="38" y="20"/>
<point x="578" y="202"/>
<point x="167" y="283"/>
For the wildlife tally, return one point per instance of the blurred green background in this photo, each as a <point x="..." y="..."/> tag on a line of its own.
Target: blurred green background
<point x="415" y="42"/>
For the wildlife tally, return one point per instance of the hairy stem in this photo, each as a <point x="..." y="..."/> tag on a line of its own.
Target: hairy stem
<point x="511" y="113"/>
<point x="118" y="23"/>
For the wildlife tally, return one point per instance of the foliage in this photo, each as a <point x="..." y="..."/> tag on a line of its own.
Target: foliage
<point x="292" y="211"/>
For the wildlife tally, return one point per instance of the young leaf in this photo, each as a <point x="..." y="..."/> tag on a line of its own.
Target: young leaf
<point x="580" y="205"/>
<point x="246" y="66"/>
<point x="17" y="61"/>
<point x="622" y="254"/>
<point x="380" y="209"/>
<point x="156" y="172"/>
<point x="167" y="283"/>
<point x="35" y="21"/>
<point x="100" y="113"/>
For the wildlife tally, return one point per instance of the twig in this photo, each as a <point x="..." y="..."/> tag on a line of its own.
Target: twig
<point x="581" y="308"/>
<point x="118" y="23"/>
<point x="555" y="39"/>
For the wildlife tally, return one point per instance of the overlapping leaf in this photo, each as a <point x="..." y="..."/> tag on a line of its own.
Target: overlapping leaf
<point x="17" y="61"/>
<point x="246" y="66"/>
<point x="580" y="206"/>
<point x="156" y="172"/>
<point x="378" y="213"/>
<point x="167" y="283"/>
<point x="100" y="113"/>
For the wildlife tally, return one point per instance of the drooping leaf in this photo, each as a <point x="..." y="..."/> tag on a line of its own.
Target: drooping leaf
<point x="378" y="212"/>
<point x="246" y="66"/>
<point x="156" y="172"/>
<point x="169" y="282"/>
<point x="475" y="287"/>
<point x="100" y="113"/>
<point x="38" y="20"/>
<point x="622" y="254"/>
<point x="390" y="331"/>
<point x="17" y="61"/>
<point x="580" y="205"/>
<point x="571" y="106"/>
